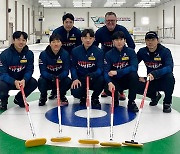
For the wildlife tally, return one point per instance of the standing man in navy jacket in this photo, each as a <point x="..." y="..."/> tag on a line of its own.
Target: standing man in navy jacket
<point x="120" y="72"/>
<point x="71" y="37"/>
<point x="87" y="60"/>
<point x="159" y="64"/>
<point x="16" y="69"/>
<point x="104" y="36"/>
<point x="54" y="62"/>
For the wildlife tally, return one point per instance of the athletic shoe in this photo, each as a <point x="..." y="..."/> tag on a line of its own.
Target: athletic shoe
<point x="64" y="101"/>
<point x="132" y="107"/>
<point x="3" y="105"/>
<point x="42" y="101"/>
<point x="122" y="96"/>
<point x="166" y="108"/>
<point x="21" y="104"/>
<point x="52" y="95"/>
<point x="95" y="104"/>
<point x="155" y="101"/>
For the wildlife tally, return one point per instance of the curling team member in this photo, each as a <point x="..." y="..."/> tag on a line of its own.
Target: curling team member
<point x="104" y="36"/>
<point x="87" y="60"/>
<point x="159" y="64"/>
<point x="54" y="62"/>
<point x="120" y="70"/>
<point x="16" y="69"/>
<point x="71" y="37"/>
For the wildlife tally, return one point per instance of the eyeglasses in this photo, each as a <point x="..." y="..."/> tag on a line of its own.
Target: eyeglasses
<point x="112" y="21"/>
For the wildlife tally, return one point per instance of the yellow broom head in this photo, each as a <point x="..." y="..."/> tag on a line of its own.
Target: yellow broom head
<point x="133" y="144"/>
<point x="35" y="142"/>
<point x="110" y="144"/>
<point x="61" y="139"/>
<point x="88" y="141"/>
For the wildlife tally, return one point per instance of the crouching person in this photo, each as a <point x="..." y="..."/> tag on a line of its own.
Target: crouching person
<point x="16" y="69"/>
<point x="87" y="60"/>
<point x="159" y="64"/>
<point x="54" y="62"/>
<point x="120" y="70"/>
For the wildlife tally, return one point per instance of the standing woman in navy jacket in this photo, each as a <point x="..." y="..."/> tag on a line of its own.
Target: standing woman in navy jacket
<point x="16" y="69"/>
<point x="120" y="70"/>
<point x="54" y="62"/>
<point x="87" y="60"/>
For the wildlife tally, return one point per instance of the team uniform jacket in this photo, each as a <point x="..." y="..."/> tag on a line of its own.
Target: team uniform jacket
<point x="124" y="62"/>
<point x="157" y="63"/>
<point x="69" y="40"/>
<point x="103" y="36"/>
<point x="86" y="61"/>
<point x="16" y="66"/>
<point x="52" y="65"/>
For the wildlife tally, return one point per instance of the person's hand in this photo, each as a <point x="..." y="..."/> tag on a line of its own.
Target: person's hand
<point x="17" y="83"/>
<point x="112" y="73"/>
<point x="111" y="86"/>
<point x="76" y="84"/>
<point x="22" y="83"/>
<point x="151" y="77"/>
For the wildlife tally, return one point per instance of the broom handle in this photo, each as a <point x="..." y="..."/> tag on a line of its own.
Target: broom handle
<point x="27" y="110"/>
<point x="88" y="106"/>
<point x="59" y="104"/>
<point x="112" y="115"/>
<point x="140" y="110"/>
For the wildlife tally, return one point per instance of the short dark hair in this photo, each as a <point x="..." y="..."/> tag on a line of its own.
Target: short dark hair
<point x="18" y="34"/>
<point x="87" y="31"/>
<point x="55" y="37"/>
<point x="118" y="35"/>
<point x="67" y="15"/>
<point x="110" y="13"/>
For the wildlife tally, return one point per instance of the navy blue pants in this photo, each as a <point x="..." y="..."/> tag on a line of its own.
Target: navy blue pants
<point x="44" y="85"/>
<point x="30" y="86"/>
<point x="129" y="82"/>
<point x="96" y="84"/>
<point x="165" y="83"/>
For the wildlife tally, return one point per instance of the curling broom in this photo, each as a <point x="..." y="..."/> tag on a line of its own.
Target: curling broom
<point x="111" y="143"/>
<point x="35" y="141"/>
<point x="88" y="140"/>
<point x="132" y="142"/>
<point x="60" y="138"/>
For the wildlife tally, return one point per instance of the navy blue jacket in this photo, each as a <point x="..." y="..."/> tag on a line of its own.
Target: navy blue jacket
<point x="52" y="65"/>
<point x="157" y="63"/>
<point x="124" y="62"/>
<point x="86" y="61"/>
<point x="15" y="65"/>
<point x="71" y="40"/>
<point x="104" y="36"/>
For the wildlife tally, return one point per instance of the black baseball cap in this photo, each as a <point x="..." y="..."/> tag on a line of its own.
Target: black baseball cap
<point x="151" y="35"/>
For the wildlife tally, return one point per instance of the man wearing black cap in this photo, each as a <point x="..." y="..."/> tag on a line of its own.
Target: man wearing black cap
<point x="120" y="70"/>
<point x="159" y="64"/>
